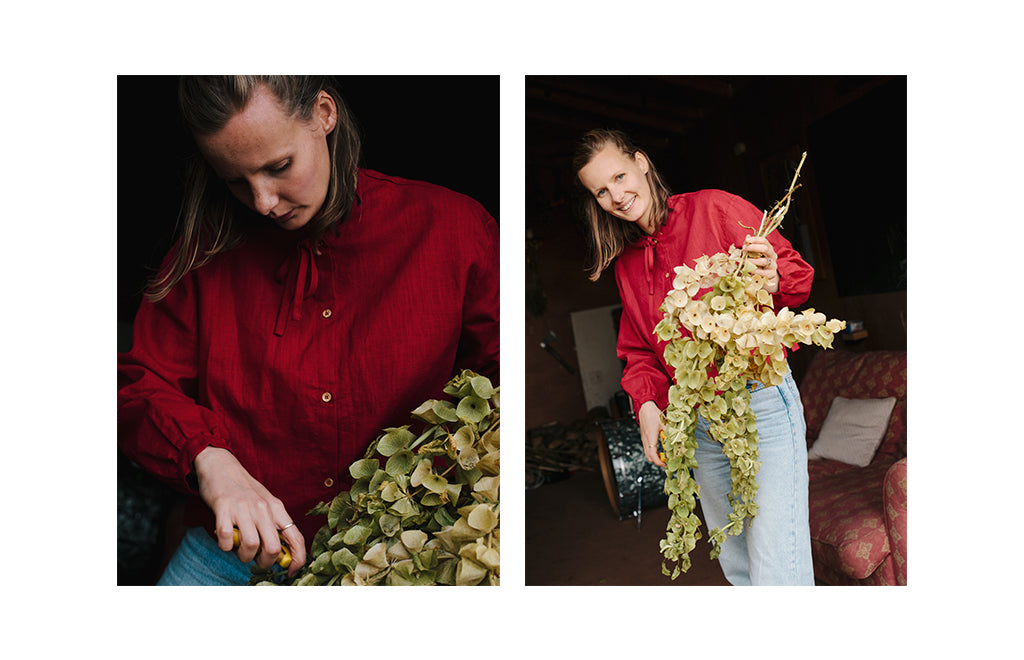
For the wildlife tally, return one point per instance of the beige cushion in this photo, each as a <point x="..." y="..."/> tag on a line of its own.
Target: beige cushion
<point x="853" y="429"/>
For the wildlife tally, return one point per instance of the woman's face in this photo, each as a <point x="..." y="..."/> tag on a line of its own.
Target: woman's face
<point x="275" y="164"/>
<point x="619" y="183"/>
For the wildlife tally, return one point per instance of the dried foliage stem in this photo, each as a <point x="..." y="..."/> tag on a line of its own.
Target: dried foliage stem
<point x="723" y="338"/>
<point x="772" y="220"/>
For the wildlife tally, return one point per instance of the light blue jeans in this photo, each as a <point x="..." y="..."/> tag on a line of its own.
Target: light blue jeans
<point x="775" y="549"/>
<point x="198" y="561"/>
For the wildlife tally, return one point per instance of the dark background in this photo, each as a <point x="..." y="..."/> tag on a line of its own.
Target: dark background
<point x="441" y="129"/>
<point x="743" y="134"/>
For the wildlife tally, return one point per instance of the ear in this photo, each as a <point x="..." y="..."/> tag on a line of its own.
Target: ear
<point x="326" y="112"/>
<point x="641" y="160"/>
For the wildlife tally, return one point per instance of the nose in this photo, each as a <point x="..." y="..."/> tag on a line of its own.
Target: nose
<point x="264" y="198"/>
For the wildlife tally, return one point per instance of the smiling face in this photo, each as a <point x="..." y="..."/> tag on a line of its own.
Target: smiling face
<point x="275" y="164"/>
<point x="619" y="183"/>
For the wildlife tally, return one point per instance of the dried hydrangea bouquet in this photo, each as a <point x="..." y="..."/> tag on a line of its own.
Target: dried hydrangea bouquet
<point x="717" y="342"/>
<point x="423" y="509"/>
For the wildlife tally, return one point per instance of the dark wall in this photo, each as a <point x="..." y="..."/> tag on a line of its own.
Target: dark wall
<point x="854" y="130"/>
<point x="441" y="129"/>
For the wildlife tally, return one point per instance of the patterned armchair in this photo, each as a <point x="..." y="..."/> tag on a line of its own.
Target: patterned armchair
<point x="858" y="515"/>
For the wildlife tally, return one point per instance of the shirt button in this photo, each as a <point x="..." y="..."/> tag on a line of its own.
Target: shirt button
<point x="327" y="313"/>
<point x="326" y="396"/>
<point x="328" y="482"/>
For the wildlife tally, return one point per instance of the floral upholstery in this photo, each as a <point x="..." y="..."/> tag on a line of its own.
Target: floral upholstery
<point x="895" y="500"/>
<point x="858" y="516"/>
<point x="872" y="375"/>
<point x="849" y="521"/>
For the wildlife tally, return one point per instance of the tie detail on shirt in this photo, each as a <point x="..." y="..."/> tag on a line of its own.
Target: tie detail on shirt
<point x="300" y="269"/>
<point x="650" y="242"/>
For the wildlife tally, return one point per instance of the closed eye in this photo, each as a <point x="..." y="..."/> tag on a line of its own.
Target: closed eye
<point x="272" y="169"/>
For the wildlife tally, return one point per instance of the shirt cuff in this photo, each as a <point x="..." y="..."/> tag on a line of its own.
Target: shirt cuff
<point x="660" y="400"/>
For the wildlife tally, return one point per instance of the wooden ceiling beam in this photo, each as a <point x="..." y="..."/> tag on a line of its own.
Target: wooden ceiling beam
<point x="709" y="85"/>
<point x="567" y="120"/>
<point x="637" y="96"/>
<point x="600" y="109"/>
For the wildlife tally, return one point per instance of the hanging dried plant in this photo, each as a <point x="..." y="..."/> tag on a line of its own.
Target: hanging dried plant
<point x="723" y="333"/>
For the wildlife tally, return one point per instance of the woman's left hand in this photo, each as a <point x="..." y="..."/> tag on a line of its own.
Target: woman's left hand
<point x="761" y="255"/>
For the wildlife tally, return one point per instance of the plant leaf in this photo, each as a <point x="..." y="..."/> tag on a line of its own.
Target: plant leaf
<point x="469" y="573"/>
<point x="394" y="440"/>
<point x="364" y="468"/>
<point x="344" y="557"/>
<point x="414" y="540"/>
<point x="400" y="462"/>
<point x="446" y="411"/>
<point x="483" y="518"/>
<point x="435" y="483"/>
<point x="356" y="535"/>
<point x="472" y="409"/>
<point x="425" y="411"/>
<point x="389" y="524"/>
<point x="482" y="386"/>
<point x="468" y="458"/>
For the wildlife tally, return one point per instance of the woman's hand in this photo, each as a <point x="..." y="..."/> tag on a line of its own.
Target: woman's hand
<point x="650" y="427"/>
<point x="238" y="500"/>
<point x="762" y="255"/>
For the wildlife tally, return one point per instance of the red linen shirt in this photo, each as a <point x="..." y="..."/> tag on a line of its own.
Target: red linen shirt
<point x="295" y="361"/>
<point x="698" y="223"/>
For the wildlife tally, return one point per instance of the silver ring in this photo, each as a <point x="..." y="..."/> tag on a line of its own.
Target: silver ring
<point x="286" y="527"/>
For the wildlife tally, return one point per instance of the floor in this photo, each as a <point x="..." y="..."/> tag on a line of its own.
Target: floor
<point x="574" y="537"/>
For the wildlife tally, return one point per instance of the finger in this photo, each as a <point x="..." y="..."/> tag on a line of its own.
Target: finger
<point x="270" y="542"/>
<point x="646" y="447"/>
<point x="249" y="538"/>
<point x="650" y="454"/>
<point x="225" y="533"/>
<point x="755" y="254"/>
<point x="287" y="539"/>
<point x="296" y="548"/>
<point x="761" y="252"/>
<point x="762" y="247"/>
<point x="238" y="535"/>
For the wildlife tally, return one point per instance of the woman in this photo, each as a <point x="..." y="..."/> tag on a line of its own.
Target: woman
<point x="636" y="223"/>
<point x="307" y="305"/>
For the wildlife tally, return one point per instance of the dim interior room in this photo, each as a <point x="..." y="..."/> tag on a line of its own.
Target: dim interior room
<point x="745" y="135"/>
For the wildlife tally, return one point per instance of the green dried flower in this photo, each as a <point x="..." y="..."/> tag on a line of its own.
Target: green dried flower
<point x="431" y="514"/>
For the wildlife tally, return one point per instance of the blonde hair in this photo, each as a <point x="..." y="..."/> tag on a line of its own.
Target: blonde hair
<point x="607" y="235"/>
<point x="207" y="222"/>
